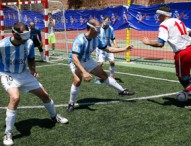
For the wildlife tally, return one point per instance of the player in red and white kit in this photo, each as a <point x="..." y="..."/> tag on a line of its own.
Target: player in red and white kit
<point x="174" y="32"/>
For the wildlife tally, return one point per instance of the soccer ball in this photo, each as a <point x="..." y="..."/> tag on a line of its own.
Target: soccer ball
<point x="182" y="96"/>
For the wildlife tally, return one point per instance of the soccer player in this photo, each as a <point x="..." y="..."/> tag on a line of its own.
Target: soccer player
<point x="107" y="35"/>
<point x="174" y="31"/>
<point x="37" y="39"/>
<point x="51" y="33"/>
<point x="16" y="52"/>
<point x="81" y="63"/>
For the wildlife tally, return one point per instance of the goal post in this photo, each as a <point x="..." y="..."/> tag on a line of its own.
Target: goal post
<point x="56" y="7"/>
<point x="20" y="4"/>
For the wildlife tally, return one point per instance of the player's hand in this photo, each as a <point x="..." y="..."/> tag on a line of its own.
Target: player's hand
<point x="50" y="19"/>
<point x="41" y="44"/>
<point x="146" y="41"/>
<point x="129" y="48"/>
<point x="35" y="74"/>
<point x="87" y="77"/>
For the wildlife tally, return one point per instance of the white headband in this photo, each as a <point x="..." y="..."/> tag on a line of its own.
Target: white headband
<point x="164" y="13"/>
<point x="24" y="35"/>
<point x="106" y="22"/>
<point x="97" y="28"/>
<point x="90" y="25"/>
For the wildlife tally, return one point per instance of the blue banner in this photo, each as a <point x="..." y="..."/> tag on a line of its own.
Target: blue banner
<point x="10" y="17"/>
<point x="145" y="18"/>
<point x="136" y="17"/>
<point x="77" y="19"/>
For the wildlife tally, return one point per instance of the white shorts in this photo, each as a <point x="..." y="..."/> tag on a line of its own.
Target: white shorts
<point x="89" y="65"/>
<point x="103" y="57"/>
<point x="25" y="81"/>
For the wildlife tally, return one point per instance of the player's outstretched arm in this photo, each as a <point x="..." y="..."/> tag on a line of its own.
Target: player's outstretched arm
<point x="147" y="41"/>
<point x="116" y="50"/>
<point x="115" y="44"/>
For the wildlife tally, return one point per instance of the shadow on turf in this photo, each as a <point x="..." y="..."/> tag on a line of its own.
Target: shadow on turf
<point x="172" y="101"/>
<point x="25" y="126"/>
<point x="85" y="103"/>
<point x="39" y="61"/>
<point x="119" y="80"/>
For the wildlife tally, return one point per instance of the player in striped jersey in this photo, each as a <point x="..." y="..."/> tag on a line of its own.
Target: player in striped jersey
<point x="15" y="53"/>
<point x="81" y="63"/>
<point x="107" y="35"/>
<point x="174" y="32"/>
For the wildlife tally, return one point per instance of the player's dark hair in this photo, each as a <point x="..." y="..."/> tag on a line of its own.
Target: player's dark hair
<point x="19" y="27"/>
<point x="106" y="17"/>
<point x="165" y="8"/>
<point x="88" y="27"/>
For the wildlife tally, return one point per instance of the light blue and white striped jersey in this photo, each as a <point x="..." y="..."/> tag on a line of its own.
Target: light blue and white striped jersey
<point x="106" y="35"/>
<point x="13" y="59"/>
<point x="84" y="47"/>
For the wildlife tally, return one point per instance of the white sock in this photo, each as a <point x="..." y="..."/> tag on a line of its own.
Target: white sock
<point x="96" y="78"/>
<point x="50" y="107"/>
<point x="73" y="93"/>
<point x="42" y="55"/>
<point x="112" y="71"/>
<point x="10" y="120"/>
<point x="111" y="82"/>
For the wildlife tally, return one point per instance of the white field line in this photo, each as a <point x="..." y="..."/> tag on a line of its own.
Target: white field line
<point x="148" y="77"/>
<point x="100" y="103"/>
<point x="106" y="102"/>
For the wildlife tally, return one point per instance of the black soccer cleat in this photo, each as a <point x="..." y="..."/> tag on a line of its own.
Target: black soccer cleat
<point x="126" y="92"/>
<point x="70" y="108"/>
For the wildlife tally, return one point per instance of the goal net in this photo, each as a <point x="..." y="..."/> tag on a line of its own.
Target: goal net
<point x="61" y="46"/>
<point x="37" y="11"/>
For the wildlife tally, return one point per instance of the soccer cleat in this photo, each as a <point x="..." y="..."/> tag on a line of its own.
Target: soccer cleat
<point x="188" y="107"/>
<point x="7" y="140"/>
<point x="97" y="82"/>
<point x="70" y="108"/>
<point x="59" y="119"/>
<point x="126" y="92"/>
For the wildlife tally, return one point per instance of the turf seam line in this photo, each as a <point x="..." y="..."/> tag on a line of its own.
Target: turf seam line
<point x="136" y="75"/>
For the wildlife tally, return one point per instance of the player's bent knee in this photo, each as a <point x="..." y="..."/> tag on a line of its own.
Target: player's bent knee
<point x="100" y="64"/>
<point x="104" y="76"/>
<point x="77" y="81"/>
<point x="14" y="99"/>
<point x="45" y="98"/>
<point x="112" y="63"/>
